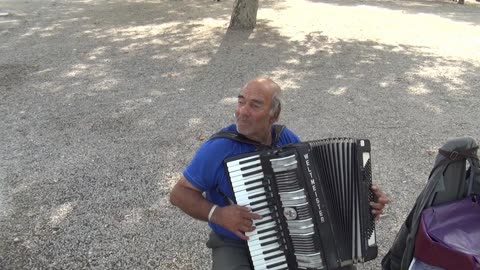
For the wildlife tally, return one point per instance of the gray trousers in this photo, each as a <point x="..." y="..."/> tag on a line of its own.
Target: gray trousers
<point x="229" y="254"/>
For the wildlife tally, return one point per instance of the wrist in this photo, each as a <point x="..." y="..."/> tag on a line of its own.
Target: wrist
<point x="211" y="212"/>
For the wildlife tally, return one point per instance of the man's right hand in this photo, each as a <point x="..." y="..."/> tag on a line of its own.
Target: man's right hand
<point x="235" y="218"/>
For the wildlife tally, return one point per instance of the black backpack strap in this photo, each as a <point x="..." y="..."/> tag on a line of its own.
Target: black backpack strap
<point x="452" y="156"/>
<point x="458" y="155"/>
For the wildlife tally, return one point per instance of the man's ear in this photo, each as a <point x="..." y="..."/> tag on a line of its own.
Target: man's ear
<point x="275" y="117"/>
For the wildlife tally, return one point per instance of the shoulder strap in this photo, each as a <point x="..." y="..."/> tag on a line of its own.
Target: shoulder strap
<point x="232" y="135"/>
<point x="278" y="129"/>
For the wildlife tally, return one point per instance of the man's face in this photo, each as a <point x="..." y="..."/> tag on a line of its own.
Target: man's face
<point x="253" y="117"/>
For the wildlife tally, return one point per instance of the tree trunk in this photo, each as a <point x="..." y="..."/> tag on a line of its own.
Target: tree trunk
<point x="244" y="15"/>
<point x="461" y="2"/>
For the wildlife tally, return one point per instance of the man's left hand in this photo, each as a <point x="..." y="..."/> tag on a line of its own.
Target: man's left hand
<point x="379" y="202"/>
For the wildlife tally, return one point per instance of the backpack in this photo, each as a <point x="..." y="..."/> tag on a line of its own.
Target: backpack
<point x="449" y="181"/>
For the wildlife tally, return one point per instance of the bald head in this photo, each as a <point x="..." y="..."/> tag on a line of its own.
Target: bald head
<point x="257" y="109"/>
<point x="272" y="89"/>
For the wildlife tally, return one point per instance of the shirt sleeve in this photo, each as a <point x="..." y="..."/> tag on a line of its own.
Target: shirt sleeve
<point x="289" y="137"/>
<point x="203" y="169"/>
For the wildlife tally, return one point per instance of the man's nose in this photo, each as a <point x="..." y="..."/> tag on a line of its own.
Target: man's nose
<point x="243" y="110"/>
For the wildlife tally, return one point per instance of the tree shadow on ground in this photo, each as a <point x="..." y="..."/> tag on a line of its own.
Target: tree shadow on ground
<point x="100" y="125"/>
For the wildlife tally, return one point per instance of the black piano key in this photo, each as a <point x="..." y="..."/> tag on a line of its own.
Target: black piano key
<point x="266" y="194"/>
<point x="270" y="203"/>
<point x="271" y="229"/>
<point x="274" y="233"/>
<point x="268" y="198"/>
<point x="276" y="264"/>
<point x="275" y="256"/>
<point x="260" y="185"/>
<point x="253" y="172"/>
<point x="272" y="250"/>
<point x="252" y="202"/>
<point x="251" y="167"/>
<point x="259" y="180"/>
<point x="251" y="159"/>
<point x="263" y="222"/>
<point x="269" y="242"/>
<point x="267" y="215"/>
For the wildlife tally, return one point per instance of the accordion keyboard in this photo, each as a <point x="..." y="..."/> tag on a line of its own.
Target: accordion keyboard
<point x="251" y="188"/>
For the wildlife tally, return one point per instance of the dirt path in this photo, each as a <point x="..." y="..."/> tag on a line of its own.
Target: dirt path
<point x="103" y="103"/>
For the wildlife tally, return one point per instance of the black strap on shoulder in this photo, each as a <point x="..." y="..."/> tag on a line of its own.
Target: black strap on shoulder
<point x="232" y="135"/>
<point x="277" y="129"/>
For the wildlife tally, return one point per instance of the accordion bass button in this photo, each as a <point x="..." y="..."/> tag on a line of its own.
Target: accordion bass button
<point x="290" y="213"/>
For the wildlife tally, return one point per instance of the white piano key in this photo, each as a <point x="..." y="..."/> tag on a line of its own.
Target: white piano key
<point x="262" y="261"/>
<point x="245" y="194"/>
<point x="272" y="224"/>
<point x="237" y="162"/>
<point x="254" y="237"/>
<point x="265" y="248"/>
<point x="264" y="212"/>
<point x="253" y="201"/>
<point x="256" y="221"/>
<point x="241" y="180"/>
<point x="234" y="168"/>
<point x="250" y="193"/>
<point x="257" y="234"/>
<point x="252" y="196"/>
<point x="254" y="240"/>
<point x="254" y="243"/>
<point x="254" y="206"/>
<point x="262" y="257"/>
<point x="243" y="172"/>
<point x="251" y="187"/>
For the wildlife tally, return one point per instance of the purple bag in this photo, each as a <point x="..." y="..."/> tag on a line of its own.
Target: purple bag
<point x="449" y="235"/>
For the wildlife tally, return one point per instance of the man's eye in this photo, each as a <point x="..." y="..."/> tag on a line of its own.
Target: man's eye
<point x="241" y="102"/>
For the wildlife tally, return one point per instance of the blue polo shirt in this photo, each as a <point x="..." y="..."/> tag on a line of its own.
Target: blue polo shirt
<point x="206" y="170"/>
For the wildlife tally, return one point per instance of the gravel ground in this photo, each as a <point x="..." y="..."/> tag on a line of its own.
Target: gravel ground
<point x="103" y="103"/>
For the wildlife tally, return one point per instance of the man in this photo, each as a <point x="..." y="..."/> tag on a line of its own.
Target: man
<point x="258" y="108"/>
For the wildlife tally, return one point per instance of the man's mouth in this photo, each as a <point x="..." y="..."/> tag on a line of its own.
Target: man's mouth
<point x="243" y="121"/>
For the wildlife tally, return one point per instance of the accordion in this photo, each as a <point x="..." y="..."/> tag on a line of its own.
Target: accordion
<point x="314" y="201"/>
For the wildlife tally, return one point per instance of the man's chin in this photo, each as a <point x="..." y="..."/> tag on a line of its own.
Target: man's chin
<point x="242" y="130"/>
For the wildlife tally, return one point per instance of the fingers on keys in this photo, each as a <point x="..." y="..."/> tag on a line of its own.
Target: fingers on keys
<point x="240" y="235"/>
<point x="249" y="212"/>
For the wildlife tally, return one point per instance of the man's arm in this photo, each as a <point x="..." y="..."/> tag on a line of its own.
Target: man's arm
<point x="237" y="219"/>
<point x="190" y="199"/>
